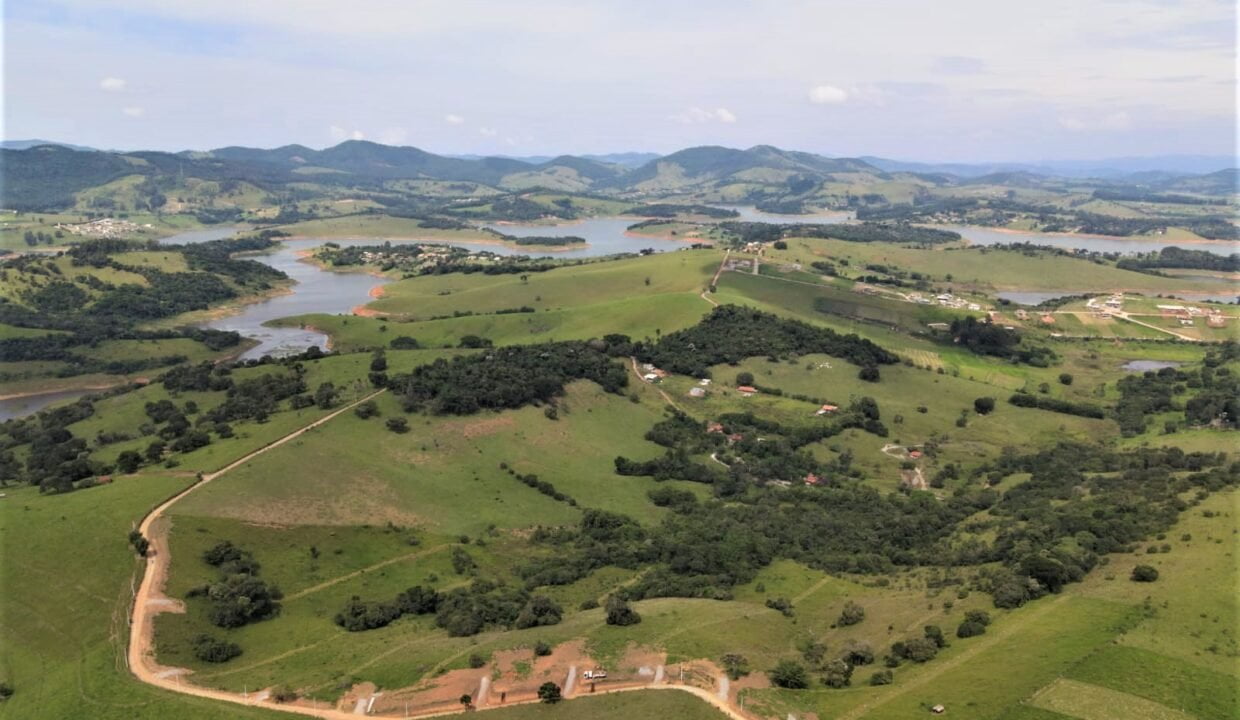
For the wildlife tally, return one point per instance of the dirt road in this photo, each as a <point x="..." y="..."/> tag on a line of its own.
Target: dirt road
<point x="149" y="600"/>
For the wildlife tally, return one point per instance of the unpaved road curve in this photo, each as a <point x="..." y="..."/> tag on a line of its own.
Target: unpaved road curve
<point x="149" y="600"/>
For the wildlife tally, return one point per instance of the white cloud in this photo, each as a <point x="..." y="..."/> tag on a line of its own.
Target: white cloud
<point x="453" y="119"/>
<point x="393" y="136"/>
<point x="134" y="111"/>
<point x="696" y="115"/>
<point x="339" y="134"/>
<point x="827" y="95"/>
<point x="1113" y="121"/>
<point x="488" y="131"/>
<point x="112" y="84"/>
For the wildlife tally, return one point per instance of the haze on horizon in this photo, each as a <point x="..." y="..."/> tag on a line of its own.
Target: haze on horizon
<point x="961" y="81"/>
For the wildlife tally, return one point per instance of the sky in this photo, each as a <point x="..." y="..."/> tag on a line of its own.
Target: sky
<point x="952" y="80"/>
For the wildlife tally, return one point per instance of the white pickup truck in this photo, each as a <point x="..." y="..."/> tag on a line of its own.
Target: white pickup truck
<point x="594" y="674"/>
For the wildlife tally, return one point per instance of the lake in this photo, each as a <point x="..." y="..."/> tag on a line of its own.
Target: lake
<point x="604" y="236"/>
<point x="989" y="236"/>
<point x="1037" y="298"/>
<point x="11" y="408"/>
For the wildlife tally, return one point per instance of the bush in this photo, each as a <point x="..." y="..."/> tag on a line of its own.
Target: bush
<point x="404" y="342"/>
<point x="789" y="674"/>
<point x="213" y="650"/>
<point x="735" y="665"/>
<point x="619" y="612"/>
<point x="542" y="649"/>
<point x="851" y="615"/>
<point x="984" y="405"/>
<point x="782" y="604"/>
<point x="1065" y="378"/>
<point x="476" y="661"/>
<point x="969" y="629"/>
<point x="549" y="693"/>
<point x="882" y="677"/>
<point x="397" y="425"/>
<point x="1144" y="573"/>
<point x="366" y="410"/>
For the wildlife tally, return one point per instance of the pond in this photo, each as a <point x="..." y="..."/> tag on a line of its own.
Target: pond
<point x="1148" y="365"/>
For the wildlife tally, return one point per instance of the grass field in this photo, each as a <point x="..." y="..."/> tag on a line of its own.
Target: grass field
<point x="67" y="575"/>
<point x="988" y="269"/>
<point x="444" y="474"/>
<point x="563" y="288"/>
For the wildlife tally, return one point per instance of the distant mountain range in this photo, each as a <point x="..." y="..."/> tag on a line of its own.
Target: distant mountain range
<point x="43" y="174"/>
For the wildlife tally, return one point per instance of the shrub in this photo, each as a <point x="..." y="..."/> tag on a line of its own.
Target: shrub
<point x="619" y="612"/>
<point x="782" y="604"/>
<point x="735" y="665"/>
<point x="549" y="693"/>
<point x="851" y="614"/>
<point x="1065" y="378"/>
<point x="1144" y="573"/>
<point x="984" y="405"/>
<point x="542" y="649"/>
<point x="213" y="650"/>
<point x="789" y="674"/>
<point x="476" y="661"/>
<point x="882" y="677"/>
<point x="397" y="425"/>
<point x="969" y="629"/>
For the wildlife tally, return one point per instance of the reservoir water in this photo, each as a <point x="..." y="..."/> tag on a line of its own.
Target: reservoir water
<point x="16" y="407"/>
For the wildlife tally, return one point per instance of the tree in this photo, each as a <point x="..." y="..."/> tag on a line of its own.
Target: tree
<point x="619" y="612"/>
<point x="984" y="405"/>
<point x="935" y="634"/>
<point x="128" y="462"/>
<point x="1065" y="378"/>
<point x="378" y="361"/>
<point x="969" y="629"/>
<point x="325" y="396"/>
<point x="735" y="665"/>
<point x="549" y="693"/>
<point x="851" y="614"/>
<point x="542" y="649"/>
<point x="397" y="425"/>
<point x="789" y="674"/>
<point x="467" y="701"/>
<point x="1144" y="573"/>
<point x="744" y="378"/>
<point x="869" y="373"/>
<point x="838" y="674"/>
<point x="916" y="649"/>
<point x="882" y="677"/>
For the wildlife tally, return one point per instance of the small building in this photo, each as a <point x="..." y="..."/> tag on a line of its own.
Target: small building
<point x="704" y="382"/>
<point x="915" y="454"/>
<point x="735" y="438"/>
<point x="827" y="409"/>
<point x="650" y="377"/>
<point x="812" y="480"/>
<point x="1022" y="314"/>
<point x="714" y="427"/>
<point x="938" y="709"/>
<point x="1048" y="319"/>
<point x="747" y="390"/>
<point x="697" y="392"/>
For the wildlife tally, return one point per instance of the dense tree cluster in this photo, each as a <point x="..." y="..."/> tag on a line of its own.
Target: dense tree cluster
<point x="984" y="338"/>
<point x="1066" y="407"/>
<point x="507" y="377"/>
<point x="670" y="210"/>
<point x="747" y="232"/>
<point x="1174" y="257"/>
<point x="239" y="596"/>
<point x="732" y="333"/>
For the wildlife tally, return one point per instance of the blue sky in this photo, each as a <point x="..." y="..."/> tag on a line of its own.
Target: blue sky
<point x="954" y="80"/>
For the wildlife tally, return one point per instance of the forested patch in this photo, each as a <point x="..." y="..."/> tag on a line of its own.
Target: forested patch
<point x="983" y="338"/>
<point x="853" y="232"/>
<point x="1174" y="257"/>
<point x="507" y="377"/>
<point x="671" y="210"/>
<point x="1212" y="394"/>
<point x="732" y="333"/>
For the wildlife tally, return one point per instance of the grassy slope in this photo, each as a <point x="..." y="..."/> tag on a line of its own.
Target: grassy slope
<point x="67" y="572"/>
<point x="980" y="268"/>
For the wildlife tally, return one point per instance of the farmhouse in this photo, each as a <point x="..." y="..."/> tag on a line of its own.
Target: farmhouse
<point x="747" y="390"/>
<point x="827" y="409"/>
